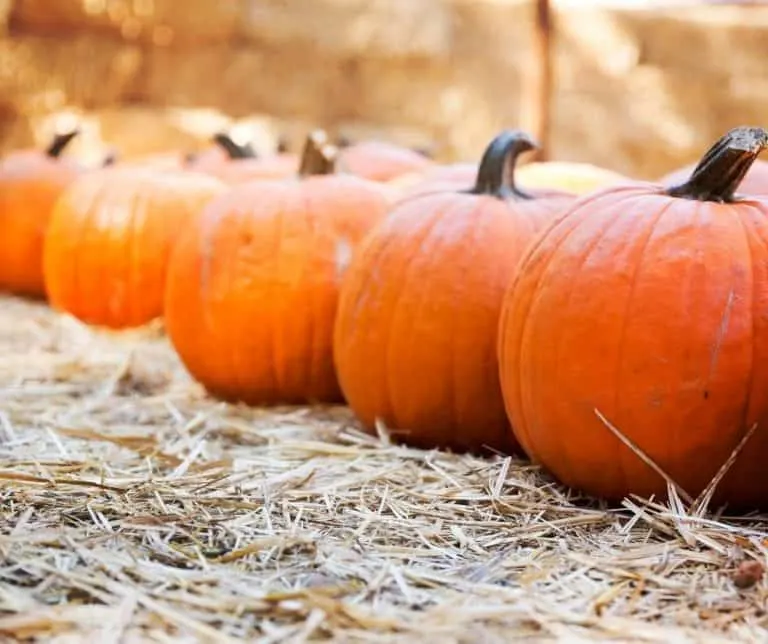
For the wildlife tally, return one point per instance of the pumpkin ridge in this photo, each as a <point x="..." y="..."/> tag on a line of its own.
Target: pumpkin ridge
<point x="568" y="456"/>
<point x="135" y="252"/>
<point x="312" y="365"/>
<point x="410" y="274"/>
<point x="754" y="299"/>
<point x="621" y="450"/>
<point x="277" y="332"/>
<point x="573" y="223"/>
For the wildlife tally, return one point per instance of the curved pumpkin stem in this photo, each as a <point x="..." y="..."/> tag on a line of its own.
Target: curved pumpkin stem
<point x="496" y="174"/>
<point x="60" y="142"/>
<point x="318" y="156"/>
<point x="722" y="169"/>
<point x="233" y="149"/>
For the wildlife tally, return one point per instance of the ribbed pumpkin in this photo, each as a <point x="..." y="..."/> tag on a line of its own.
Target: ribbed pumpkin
<point x="577" y="178"/>
<point x="108" y="242"/>
<point x="380" y="160"/>
<point x="252" y="289"/>
<point x="235" y="162"/>
<point x="755" y="182"/>
<point x="645" y="309"/>
<point x="30" y="183"/>
<point x="415" y="337"/>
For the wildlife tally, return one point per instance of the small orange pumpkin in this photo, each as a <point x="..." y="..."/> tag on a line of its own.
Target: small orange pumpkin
<point x="108" y="242"/>
<point x="30" y="183"/>
<point x="252" y="288"/>
<point x="415" y="336"/>
<point x="234" y="162"/>
<point x="381" y="161"/>
<point x="643" y="310"/>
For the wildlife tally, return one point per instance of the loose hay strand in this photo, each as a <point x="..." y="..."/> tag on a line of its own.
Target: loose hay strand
<point x="135" y="508"/>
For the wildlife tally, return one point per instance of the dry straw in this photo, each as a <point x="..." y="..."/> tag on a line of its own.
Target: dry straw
<point x="134" y="508"/>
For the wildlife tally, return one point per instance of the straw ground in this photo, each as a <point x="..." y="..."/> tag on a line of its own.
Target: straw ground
<point x="135" y="508"/>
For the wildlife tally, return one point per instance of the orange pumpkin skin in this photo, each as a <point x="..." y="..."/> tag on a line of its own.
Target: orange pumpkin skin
<point x="381" y="161"/>
<point x="109" y="239"/>
<point x="653" y="311"/>
<point x="755" y="181"/>
<point x="30" y="183"/>
<point x="252" y="289"/>
<point x="415" y="337"/>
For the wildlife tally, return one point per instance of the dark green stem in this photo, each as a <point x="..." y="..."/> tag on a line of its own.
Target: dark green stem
<point x="318" y="156"/>
<point x="234" y="150"/>
<point x="60" y="142"/>
<point x="496" y="174"/>
<point x="721" y="170"/>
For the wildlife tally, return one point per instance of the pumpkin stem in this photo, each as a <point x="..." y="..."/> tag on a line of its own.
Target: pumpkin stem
<point x="60" y="141"/>
<point x="283" y="145"/>
<point x="318" y="156"/>
<point x="233" y="149"/>
<point x="110" y="158"/>
<point x="722" y="169"/>
<point x="496" y="174"/>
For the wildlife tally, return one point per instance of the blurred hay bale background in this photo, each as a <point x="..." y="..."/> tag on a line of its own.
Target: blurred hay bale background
<point x="639" y="86"/>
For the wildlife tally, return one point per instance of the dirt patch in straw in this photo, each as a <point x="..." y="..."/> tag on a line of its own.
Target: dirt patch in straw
<point x="135" y="508"/>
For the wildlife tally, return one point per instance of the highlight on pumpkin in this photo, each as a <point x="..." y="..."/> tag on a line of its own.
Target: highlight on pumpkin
<point x="253" y="286"/>
<point x="31" y="181"/>
<point x="415" y="334"/>
<point x="577" y="178"/>
<point x="633" y="344"/>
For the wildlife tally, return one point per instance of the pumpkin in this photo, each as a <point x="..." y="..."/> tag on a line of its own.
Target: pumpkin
<point x="107" y="246"/>
<point x="755" y="182"/>
<point x="638" y="324"/>
<point x="234" y="162"/>
<point x="252" y="288"/>
<point x="380" y="160"/>
<point x="453" y="176"/>
<point x="578" y="178"/>
<point x="415" y="337"/>
<point x="30" y="183"/>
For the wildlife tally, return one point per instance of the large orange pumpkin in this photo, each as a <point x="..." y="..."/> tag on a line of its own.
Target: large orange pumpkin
<point x="380" y="160"/>
<point x="641" y="315"/>
<point x="108" y="242"/>
<point x="30" y="183"/>
<point x="415" y="337"/>
<point x="252" y="289"/>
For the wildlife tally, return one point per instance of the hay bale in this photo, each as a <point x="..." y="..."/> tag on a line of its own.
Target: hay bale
<point x="43" y="74"/>
<point x="366" y="28"/>
<point x="160" y="22"/>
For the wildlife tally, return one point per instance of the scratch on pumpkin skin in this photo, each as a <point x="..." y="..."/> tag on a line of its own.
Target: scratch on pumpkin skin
<point x="725" y="321"/>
